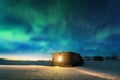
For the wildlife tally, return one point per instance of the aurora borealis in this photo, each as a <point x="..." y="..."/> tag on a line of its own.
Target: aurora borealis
<point x="41" y="27"/>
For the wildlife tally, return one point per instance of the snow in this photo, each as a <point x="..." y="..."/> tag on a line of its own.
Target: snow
<point x="102" y="68"/>
<point x="92" y="70"/>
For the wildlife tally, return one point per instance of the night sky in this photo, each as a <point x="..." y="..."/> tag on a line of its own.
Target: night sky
<point x="37" y="28"/>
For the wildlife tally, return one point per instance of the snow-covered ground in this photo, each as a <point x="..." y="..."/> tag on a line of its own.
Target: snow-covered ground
<point x="112" y="67"/>
<point x="102" y="68"/>
<point x="106" y="70"/>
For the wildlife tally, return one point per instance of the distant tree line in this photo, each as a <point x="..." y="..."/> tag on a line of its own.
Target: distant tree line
<point x="113" y="56"/>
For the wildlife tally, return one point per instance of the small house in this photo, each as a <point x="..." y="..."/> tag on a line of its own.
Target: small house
<point x="66" y="59"/>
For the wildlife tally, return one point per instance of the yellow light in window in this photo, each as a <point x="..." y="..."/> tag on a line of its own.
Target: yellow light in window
<point x="60" y="58"/>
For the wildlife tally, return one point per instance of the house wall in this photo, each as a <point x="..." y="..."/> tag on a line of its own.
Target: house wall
<point x="65" y="59"/>
<point x="76" y="60"/>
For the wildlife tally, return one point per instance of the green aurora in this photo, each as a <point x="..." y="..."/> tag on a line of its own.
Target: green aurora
<point x="41" y="27"/>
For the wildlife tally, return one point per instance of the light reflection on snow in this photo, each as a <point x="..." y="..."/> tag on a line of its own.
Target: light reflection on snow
<point x="98" y="74"/>
<point x="64" y="72"/>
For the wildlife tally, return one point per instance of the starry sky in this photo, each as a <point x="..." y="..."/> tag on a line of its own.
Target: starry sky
<point x="38" y="28"/>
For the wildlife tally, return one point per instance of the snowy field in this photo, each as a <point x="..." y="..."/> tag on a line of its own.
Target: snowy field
<point x="90" y="71"/>
<point x="110" y="69"/>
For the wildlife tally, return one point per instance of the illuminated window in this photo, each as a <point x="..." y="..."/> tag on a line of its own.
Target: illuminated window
<point x="60" y="58"/>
